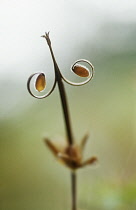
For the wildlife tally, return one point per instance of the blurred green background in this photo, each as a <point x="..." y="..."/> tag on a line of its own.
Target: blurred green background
<point x="104" y="33"/>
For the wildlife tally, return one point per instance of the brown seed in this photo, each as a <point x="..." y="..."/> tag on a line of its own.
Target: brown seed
<point x="40" y="82"/>
<point x="81" y="71"/>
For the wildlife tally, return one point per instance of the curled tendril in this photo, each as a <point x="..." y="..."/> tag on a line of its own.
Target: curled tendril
<point x="91" y="74"/>
<point x="32" y="94"/>
<point x="82" y="72"/>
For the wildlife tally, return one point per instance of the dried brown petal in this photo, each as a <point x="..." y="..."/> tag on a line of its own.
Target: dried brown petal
<point x="51" y="146"/>
<point x="84" y="141"/>
<point x="80" y="71"/>
<point x="40" y="82"/>
<point x="90" y="161"/>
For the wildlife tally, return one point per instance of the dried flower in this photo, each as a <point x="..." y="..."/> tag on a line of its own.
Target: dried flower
<point x="71" y="155"/>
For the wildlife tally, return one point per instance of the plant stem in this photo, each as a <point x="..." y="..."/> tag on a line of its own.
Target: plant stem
<point x="66" y="119"/>
<point x="69" y="138"/>
<point x="65" y="112"/>
<point x="74" y="188"/>
<point x="63" y="99"/>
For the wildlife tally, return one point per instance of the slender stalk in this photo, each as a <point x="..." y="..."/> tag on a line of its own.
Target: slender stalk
<point x="66" y="119"/>
<point x="69" y="137"/>
<point x="63" y="99"/>
<point x="74" y="188"/>
<point x="65" y="111"/>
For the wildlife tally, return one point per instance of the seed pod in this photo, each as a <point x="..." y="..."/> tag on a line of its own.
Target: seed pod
<point x="40" y="82"/>
<point x="81" y="71"/>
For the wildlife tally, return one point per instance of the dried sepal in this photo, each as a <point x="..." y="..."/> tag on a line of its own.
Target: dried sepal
<point x="40" y="82"/>
<point x="84" y="141"/>
<point x="70" y="155"/>
<point x="51" y="146"/>
<point x="80" y="70"/>
<point x="90" y="161"/>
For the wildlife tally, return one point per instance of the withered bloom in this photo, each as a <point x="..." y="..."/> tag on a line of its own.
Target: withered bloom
<point x="71" y="155"/>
